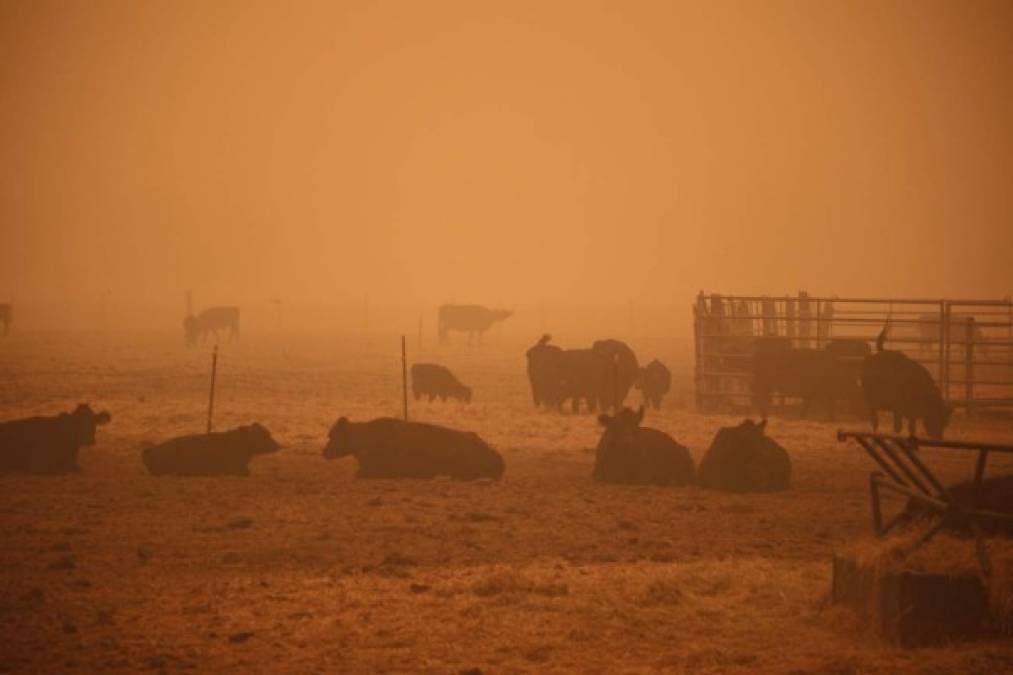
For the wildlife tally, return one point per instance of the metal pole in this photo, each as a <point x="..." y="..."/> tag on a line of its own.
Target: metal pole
<point x="420" y="331"/>
<point x="404" y="376"/>
<point x="211" y="400"/>
<point x="969" y="363"/>
<point x="943" y="382"/>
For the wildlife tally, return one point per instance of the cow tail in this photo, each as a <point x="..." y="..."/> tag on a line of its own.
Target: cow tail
<point x="882" y="337"/>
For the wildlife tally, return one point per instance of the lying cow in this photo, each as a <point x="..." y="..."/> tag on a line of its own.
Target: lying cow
<point x="211" y="320"/>
<point x="632" y="454"/>
<point x="436" y="381"/>
<point x="894" y="382"/>
<point x="744" y="459"/>
<point x="48" y="445"/>
<point x="220" y="453"/>
<point x="393" y="448"/>
<point x="654" y="382"/>
<point x="994" y="495"/>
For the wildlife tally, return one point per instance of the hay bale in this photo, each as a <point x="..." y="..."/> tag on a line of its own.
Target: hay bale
<point x="744" y="459"/>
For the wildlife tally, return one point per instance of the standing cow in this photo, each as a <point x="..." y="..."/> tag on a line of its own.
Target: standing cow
<point x="545" y="373"/>
<point x="48" y="445"/>
<point x="436" y="381"/>
<point x="892" y="381"/>
<point x="654" y="382"/>
<point x="393" y="448"/>
<point x="471" y="319"/>
<point x="623" y="371"/>
<point x="211" y="320"/>
<point x="7" y="317"/>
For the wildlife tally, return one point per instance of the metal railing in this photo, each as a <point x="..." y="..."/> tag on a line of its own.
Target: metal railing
<point x="967" y="345"/>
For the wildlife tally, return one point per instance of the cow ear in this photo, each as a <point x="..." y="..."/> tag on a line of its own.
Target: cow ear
<point x="640" y="415"/>
<point x="103" y="417"/>
<point x="762" y="425"/>
<point x="604" y="420"/>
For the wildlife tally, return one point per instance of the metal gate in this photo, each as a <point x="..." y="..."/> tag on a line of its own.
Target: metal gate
<point x="967" y="345"/>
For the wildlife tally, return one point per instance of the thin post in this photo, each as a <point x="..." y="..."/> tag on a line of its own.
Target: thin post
<point x="969" y="363"/>
<point x="211" y="398"/>
<point x="404" y="376"/>
<point x="420" y="331"/>
<point x="943" y="381"/>
<point x="615" y="381"/>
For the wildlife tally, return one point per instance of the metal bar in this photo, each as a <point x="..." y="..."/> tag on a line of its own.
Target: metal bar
<point x="877" y="514"/>
<point x="980" y="549"/>
<point x="979" y="469"/>
<point x="910" y="453"/>
<point x="884" y="445"/>
<point x="928" y="443"/>
<point x="969" y="364"/>
<point x="879" y="460"/>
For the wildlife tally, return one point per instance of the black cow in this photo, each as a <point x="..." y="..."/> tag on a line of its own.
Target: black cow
<point x="654" y="382"/>
<point x="211" y="320"/>
<point x="220" y="453"/>
<point x="809" y="374"/>
<point x="744" y="459"/>
<point x="585" y="377"/>
<point x="632" y="454"/>
<point x="995" y="495"/>
<point x="623" y="371"/>
<point x="545" y="373"/>
<point x="894" y="382"/>
<point x="7" y="317"/>
<point x="393" y="448"/>
<point x="471" y="319"/>
<point x="434" y="380"/>
<point x="48" y="445"/>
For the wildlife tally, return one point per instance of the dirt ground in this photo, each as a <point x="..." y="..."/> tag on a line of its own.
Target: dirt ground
<point x="300" y="568"/>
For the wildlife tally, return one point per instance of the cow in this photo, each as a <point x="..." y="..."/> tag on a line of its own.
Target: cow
<point x="391" y="448"/>
<point x="6" y="317"/>
<point x="894" y="382"/>
<point x="434" y="380"/>
<point x="585" y="377"/>
<point x="744" y="459"/>
<point x="545" y="373"/>
<point x="211" y="320"/>
<point x="654" y="382"/>
<point x="623" y="371"/>
<point x="631" y="454"/>
<point x="219" y="453"/>
<point x="471" y="319"/>
<point x="994" y="494"/>
<point x="48" y="445"/>
<point x="809" y="374"/>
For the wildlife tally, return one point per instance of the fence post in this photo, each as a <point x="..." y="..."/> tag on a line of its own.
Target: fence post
<point x="211" y="398"/>
<point x="969" y="364"/>
<point x="697" y="351"/>
<point x="947" y="352"/>
<point x="944" y="384"/>
<point x="404" y="376"/>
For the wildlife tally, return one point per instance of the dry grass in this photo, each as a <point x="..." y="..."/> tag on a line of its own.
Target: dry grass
<point x="299" y="568"/>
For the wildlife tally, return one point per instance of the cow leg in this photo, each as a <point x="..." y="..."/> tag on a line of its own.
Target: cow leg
<point x="912" y="421"/>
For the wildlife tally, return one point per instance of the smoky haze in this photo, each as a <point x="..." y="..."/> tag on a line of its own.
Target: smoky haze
<point x="342" y="156"/>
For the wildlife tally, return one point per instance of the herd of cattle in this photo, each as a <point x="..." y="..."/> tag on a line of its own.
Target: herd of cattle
<point x="741" y="458"/>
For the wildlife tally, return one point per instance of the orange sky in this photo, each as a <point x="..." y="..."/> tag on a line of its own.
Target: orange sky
<point x="504" y="152"/>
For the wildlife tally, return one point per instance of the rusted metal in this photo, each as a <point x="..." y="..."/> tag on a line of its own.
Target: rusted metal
<point x="889" y="451"/>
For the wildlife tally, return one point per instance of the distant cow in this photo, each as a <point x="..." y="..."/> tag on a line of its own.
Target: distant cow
<point x="48" y="444"/>
<point x="471" y="319"/>
<point x="622" y="373"/>
<point x="632" y="454"/>
<point x="545" y="373"/>
<point x="586" y="375"/>
<point x="211" y="320"/>
<point x="809" y="374"/>
<point x="220" y="453"/>
<point x="7" y="317"/>
<point x="654" y="382"/>
<point x="434" y="380"/>
<point x="393" y="448"/>
<point x="894" y="382"/>
<point x="744" y="459"/>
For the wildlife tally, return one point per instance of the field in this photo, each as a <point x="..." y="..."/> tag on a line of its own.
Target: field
<point x="300" y="568"/>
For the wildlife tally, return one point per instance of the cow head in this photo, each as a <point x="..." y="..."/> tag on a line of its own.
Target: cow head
<point x="501" y="314"/>
<point x="622" y="426"/>
<point x="85" y="422"/>
<point x="936" y="422"/>
<point x="339" y="441"/>
<point x="257" y="440"/>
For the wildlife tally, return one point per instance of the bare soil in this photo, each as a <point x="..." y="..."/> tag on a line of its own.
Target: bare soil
<point x="301" y="568"/>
